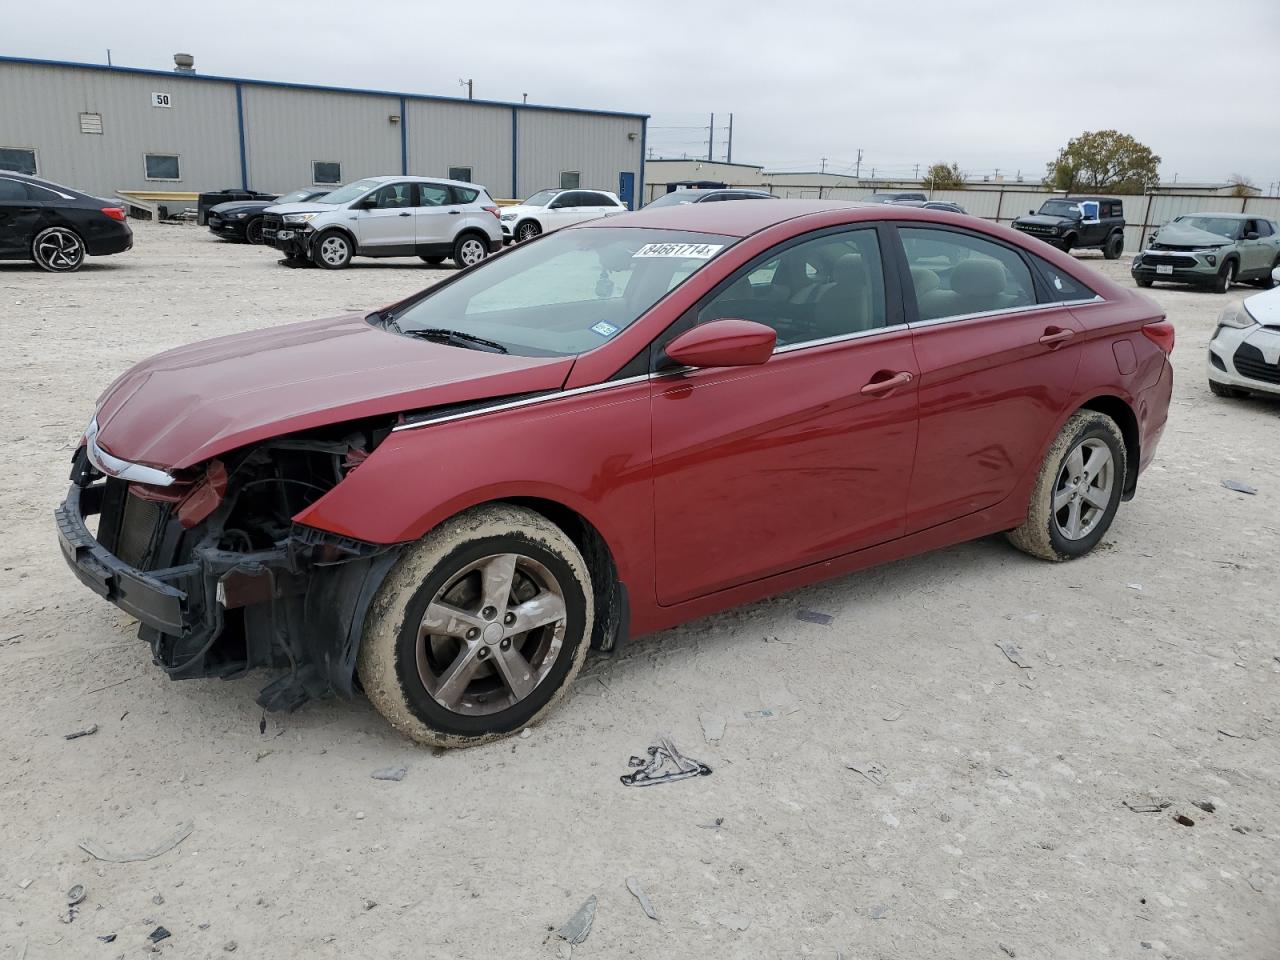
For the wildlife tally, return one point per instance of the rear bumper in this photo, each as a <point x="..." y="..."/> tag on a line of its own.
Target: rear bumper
<point x="118" y="240"/>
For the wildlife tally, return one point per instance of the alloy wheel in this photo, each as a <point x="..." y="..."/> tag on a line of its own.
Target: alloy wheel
<point x="59" y="250"/>
<point x="333" y="251"/>
<point x="1083" y="490"/>
<point x="471" y="251"/>
<point x="527" y="231"/>
<point x="491" y="634"/>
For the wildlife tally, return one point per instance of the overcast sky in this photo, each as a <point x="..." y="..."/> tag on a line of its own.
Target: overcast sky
<point x="985" y="83"/>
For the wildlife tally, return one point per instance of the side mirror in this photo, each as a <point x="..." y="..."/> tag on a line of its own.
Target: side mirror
<point x="1251" y="235"/>
<point x="1032" y="212"/>
<point x="724" y="343"/>
<point x="368" y="203"/>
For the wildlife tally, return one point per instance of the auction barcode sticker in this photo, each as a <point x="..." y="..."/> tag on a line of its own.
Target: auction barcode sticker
<point x="692" y="251"/>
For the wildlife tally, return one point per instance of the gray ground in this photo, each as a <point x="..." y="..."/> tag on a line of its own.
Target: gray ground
<point x="999" y="827"/>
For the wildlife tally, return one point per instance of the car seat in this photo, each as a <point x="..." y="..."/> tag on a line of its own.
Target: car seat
<point x="977" y="285"/>
<point x="844" y="306"/>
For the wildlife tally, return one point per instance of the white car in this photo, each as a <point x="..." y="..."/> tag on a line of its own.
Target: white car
<point x="549" y="210"/>
<point x="1244" y="354"/>
<point x="431" y="219"/>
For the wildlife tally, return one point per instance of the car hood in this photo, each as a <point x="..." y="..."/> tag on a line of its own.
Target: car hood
<point x="519" y="209"/>
<point x="184" y="406"/>
<point x="1186" y="236"/>
<point x="1265" y="307"/>
<point x="304" y="207"/>
<point x="238" y="206"/>
<point x="1044" y="220"/>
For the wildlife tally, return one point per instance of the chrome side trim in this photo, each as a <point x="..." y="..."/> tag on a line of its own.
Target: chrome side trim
<point x="1007" y="311"/>
<point x="515" y="404"/>
<point x="838" y="338"/>
<point x="115" y="467"/>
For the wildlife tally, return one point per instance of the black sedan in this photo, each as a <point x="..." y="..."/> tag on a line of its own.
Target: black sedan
<point x="56" y="226"/>
<point x="242" y="219"/>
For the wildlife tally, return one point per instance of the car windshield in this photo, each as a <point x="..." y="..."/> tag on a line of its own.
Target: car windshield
<point x="296" y="197"/>
<point x="541" y="198"/>
<point x="674" y="198"/>
<point x="348" y="193"/>
<point x="1060" y="208"/>
<point x="1227" y="227"/>
<point x="568" y="293"/>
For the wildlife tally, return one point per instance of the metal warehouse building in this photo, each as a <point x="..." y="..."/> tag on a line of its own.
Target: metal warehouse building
<point x="102" y="128"/>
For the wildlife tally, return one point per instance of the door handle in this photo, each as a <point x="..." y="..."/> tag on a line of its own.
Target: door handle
<point x="406" y="214"/>
<point x="878" y="388"/>
<point x="1054" y="336"/>
<point x="454" y="213"/>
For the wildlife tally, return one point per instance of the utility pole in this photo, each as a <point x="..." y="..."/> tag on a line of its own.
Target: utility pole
<point x="108" y="56"/>
<point x="524" y="98"/>
<point x="728" y="154"/>
<point x="857" y="170"/>
<point x="916" y="175"/>
<point x="996" y="178"/>
<point x="711" y="136"/>
<point x="468" y="85"/>
<point x="823" y="167"/>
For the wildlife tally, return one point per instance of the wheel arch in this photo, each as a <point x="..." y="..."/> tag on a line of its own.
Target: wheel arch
<point x="339" y="228"/>
<point x="1118" y="409"/>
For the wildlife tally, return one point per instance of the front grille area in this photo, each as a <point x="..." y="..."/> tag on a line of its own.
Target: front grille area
<point x="1167" y="260"/>
<point x="1173" y="246"/>
<point x="270" y="224"/>
<point x="1250" y="363"/>
<point x="130" y="527"/>
<point x="1036" y="229"/>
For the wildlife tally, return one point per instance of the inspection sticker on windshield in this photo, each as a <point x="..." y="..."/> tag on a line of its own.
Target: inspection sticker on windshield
<point x="605" y="329"/>
<point x="690" y="251"/>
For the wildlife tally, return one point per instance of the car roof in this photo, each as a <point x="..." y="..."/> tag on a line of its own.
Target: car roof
<point x="42" y="182"/>
<point x="744" y="219"/>
<point x="1079" y="199"/>
<point x="411" y="179"/>
<point x="1222" y="216"/>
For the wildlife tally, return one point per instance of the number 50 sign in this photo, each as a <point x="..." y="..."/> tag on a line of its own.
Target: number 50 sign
<point x="161" y="100"/>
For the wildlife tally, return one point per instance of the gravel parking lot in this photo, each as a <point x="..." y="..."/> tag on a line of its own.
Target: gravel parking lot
<point x="999" y="827"/>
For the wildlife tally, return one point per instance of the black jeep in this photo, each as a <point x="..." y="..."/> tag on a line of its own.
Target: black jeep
<point x="1074" y="223"/>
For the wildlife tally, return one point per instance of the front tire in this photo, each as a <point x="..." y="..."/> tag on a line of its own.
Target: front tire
<point x="1114" y="247"/>
<point x="433" y="260"/>
<point x="1068" y="242"/>
<point x="1226" y="277"/>
<point x="1141" y="282"/>
<point x="469" y="249"/>
<point x="253" y="231"/>
<point x="58" y="250"/>
<point x="1077" y="492"/>
<point x="527" y="231"/>
<point x="333" y="250"/>
<point x="479" y="629"/>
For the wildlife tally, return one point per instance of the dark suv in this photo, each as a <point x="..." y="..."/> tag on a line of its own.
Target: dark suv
<point x="1074" y="223"/>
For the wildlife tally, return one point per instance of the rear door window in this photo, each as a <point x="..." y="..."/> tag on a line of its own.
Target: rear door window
<point x="12" y="191"/>
<point x="957" y="274"/>
<point x="1062" y="286"/>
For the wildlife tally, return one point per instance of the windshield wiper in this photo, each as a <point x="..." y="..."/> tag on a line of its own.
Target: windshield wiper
<point x="455" y="337"/>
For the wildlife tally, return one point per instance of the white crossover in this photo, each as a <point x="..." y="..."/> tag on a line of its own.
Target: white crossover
<point x="549" y="210"/>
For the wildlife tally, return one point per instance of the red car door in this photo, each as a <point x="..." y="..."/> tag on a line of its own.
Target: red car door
<point x="996" y="369"/>
<point x="763" y="469"/>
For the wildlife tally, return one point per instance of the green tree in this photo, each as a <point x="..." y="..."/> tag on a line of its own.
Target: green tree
<point x="943" y="177"/>
<point x="1107" y="161"/>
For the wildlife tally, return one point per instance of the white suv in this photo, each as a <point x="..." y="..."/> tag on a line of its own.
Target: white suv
<point x="388" y="217"/>
<point x="549" y="210"/>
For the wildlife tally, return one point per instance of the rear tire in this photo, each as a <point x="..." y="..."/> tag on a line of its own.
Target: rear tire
<point x="1226" y="277"/>
<point x="1114" y="247"/>
<point x="469" y="249"/>
<point x="1077" y="492"/>
<point x="444" y="682"/>
<point x="1226" y="392"/>
<point x="58" y="250"/>
<point x="433" y="260"/>
<point x="333" y="250"/>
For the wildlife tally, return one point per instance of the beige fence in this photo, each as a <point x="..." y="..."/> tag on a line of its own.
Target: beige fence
<point x="1143" y="212"/>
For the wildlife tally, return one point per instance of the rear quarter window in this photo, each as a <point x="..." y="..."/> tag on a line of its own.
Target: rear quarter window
<point x="464" y="195"/>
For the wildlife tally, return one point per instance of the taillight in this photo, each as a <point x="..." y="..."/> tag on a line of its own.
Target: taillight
<point x="1160" y="333"/>
<point x="115" y="213"/>
<point x="493" y="210"/>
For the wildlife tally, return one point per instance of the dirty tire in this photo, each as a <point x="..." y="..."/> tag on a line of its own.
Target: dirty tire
<point x="388" y="663"/>
<point x="1039" y="534"/>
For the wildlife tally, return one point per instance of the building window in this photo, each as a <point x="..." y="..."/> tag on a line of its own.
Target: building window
<point x="569" y="180"/>
<point x="326" y="171"/>
<point x="162" y="166"/>
<point x="91" y="123"/>
<point x="18" y="159"/>
<point x="460" y="173"/>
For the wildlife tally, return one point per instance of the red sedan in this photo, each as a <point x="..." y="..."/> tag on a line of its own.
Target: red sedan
<point x="603" y="433"/>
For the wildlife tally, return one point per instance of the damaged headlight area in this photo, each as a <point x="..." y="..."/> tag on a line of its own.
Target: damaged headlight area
<point x="220" y="577"/>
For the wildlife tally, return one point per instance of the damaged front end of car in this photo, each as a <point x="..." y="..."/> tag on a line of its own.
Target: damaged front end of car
<point x="213" y="566"/>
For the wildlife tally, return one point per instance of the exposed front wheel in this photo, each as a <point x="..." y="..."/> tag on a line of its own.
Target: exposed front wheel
<point x="1077" y="491"/>
<point x="469" y="250"/>
<point x="527" y="231"/>
<point x="1068" y="242"/>
<point x="1114" y="247"/>
<point x="332" y="251"/>
<point x="58" y="250"/>
<point x="479" y="629"/>
<point x="253" y="230"/>
<point x="1226" y="277"/>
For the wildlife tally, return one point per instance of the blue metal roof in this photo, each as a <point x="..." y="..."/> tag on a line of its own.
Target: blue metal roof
<point x="320" y="88"/>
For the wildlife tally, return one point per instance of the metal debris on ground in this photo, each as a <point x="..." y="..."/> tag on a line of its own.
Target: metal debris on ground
<point x="88" y="731"/>
<point x="637" y="891"/>
<point x="108" y="938"/>
<point x="76" y="895"/>
<point x="99" y="852"/>
<point x="734" y="921"/>
<point x="873" y="771"/>
<point x="1146" y="803"/>
<point x="712" y="727"/>
<point x="1183" y="819"/>
<point x="158" y="934"/>
<point x="578" y="926"/>
<point x="762" y="714"/>
<point x="715" y="824"/>
<point x="1240" y="829"/>
<point x="1001" y="771"/>
<point x="1135" y="586"/>
<point x="813" y="616"/>
<point x="1008" y="951"/>
<point x="1239" y="487"/>
<point x="369" y="904"/>
<point x="1010" y="650"/>
<point x="1235" y="735"/>
<point x="892" y="715"/>
<point x="390" y="773"/>
<point x="665" y="765"/>
<point x="1205" y="805"/>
